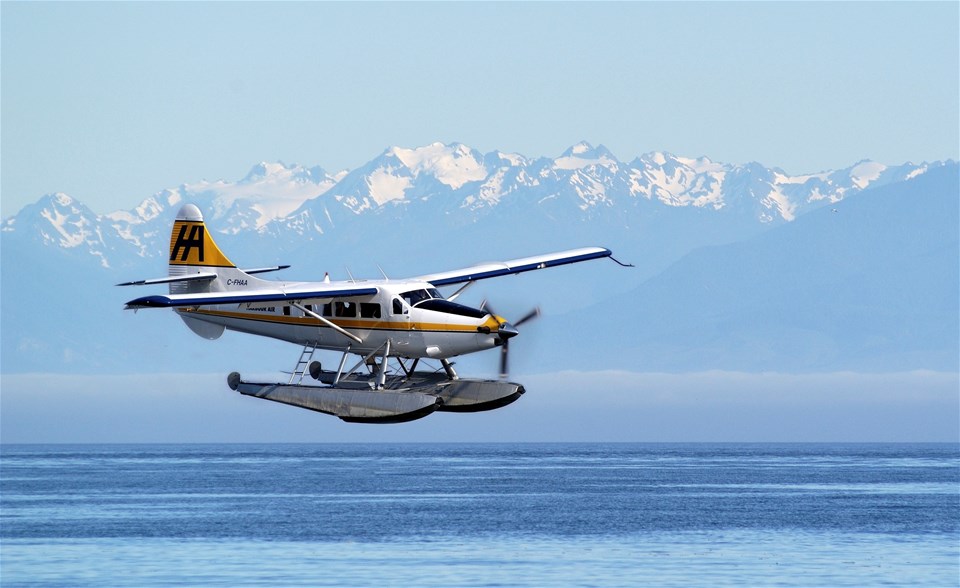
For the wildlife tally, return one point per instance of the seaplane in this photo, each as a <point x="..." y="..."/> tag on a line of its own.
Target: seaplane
<point x="389" y="325"/>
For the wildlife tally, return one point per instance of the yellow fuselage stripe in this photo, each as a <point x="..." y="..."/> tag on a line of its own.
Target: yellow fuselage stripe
<point x="371" y="324"/>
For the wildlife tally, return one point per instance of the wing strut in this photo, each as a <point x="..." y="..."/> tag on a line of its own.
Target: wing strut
<point x="333" y="326"/>
<point x="459" y="291"/>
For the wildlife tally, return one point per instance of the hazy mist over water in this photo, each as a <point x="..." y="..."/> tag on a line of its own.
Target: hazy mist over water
<point x="565" y="406"/>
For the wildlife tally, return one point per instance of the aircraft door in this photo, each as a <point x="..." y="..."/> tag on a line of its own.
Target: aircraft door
<point x="400" y="322"/>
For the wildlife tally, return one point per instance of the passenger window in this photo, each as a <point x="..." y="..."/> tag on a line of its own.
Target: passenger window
<point x="369" y="310"/>
<point x="286" y="311"/>
<point x="398" y="307"/>
<point x="327" y="309"/>
<point x="345" y="309"/>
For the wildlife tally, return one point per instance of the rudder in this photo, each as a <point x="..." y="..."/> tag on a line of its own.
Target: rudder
<point x="193" y="250"/>
<point x="191" y="243"/>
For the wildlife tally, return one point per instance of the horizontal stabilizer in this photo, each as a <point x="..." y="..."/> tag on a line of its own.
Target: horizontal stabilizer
<point x="171" y="279"/>
<point x="263" y="270"/>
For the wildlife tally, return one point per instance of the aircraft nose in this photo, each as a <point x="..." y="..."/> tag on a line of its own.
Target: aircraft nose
<point x="507" y="331"/>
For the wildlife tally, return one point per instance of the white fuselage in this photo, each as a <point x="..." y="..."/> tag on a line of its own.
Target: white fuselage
<point x="412" y="315"/>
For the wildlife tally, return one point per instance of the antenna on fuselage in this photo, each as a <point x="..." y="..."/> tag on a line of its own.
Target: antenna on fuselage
<point x="352" y="279"/>
<point x="385" y="277"/>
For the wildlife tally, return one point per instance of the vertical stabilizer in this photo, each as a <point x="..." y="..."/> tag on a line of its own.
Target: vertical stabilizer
<point x="191" y="243"/>
<point x="193" y="251"/>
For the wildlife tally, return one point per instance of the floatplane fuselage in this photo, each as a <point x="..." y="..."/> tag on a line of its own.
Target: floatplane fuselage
<point x="413" y="316"/>
<point x="378" y="320"/>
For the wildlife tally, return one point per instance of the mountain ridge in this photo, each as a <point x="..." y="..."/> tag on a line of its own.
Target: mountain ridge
<point x="304" y="216"/>
<point x="454" y="182"/>
<point x="851" y="287"/>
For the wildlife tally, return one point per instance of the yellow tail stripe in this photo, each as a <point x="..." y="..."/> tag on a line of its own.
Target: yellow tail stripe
<point x="191" y="244"/>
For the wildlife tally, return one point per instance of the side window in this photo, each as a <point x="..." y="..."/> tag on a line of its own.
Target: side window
<point x="327" y="309"/>
<point x="286" y="311"/>
<point x="345" y="309"/>
<point x="369" y="310"/>
<point x="398" y="307"/>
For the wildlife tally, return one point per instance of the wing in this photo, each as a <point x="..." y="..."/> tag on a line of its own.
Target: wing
<point x="514" y="266"/>
<point x="259" y="296"/>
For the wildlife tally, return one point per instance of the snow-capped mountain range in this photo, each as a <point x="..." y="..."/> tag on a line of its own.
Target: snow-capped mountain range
<point x="736" y="266"/>
<point x="454" y="185"/>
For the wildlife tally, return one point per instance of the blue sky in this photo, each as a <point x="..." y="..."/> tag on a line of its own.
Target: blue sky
<point x="112" y="102"/>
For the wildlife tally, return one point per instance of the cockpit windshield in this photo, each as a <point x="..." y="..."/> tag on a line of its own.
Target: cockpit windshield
<point x="414" y="297"/>
<point x="440" y="305"/>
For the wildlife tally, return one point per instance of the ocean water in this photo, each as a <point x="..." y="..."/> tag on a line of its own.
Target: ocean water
<point x="480" y="515"/>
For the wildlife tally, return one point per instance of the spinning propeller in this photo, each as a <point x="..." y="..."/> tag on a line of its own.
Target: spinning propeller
<point x="507" y="331"/>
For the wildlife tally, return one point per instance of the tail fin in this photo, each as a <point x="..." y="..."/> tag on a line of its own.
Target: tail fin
<point x="193" y="250"/>
<point x="191" y="244"/>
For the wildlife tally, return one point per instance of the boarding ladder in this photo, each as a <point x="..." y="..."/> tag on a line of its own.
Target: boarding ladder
<point x="303" y="364"/>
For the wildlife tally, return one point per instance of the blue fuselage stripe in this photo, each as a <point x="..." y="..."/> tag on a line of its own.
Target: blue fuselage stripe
<point x="158" y="301"/>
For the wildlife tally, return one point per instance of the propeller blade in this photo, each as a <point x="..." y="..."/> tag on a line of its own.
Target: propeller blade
<point x="504" y="352"/>
<point x="528" y="317"/>
<point x="506" y="332"/>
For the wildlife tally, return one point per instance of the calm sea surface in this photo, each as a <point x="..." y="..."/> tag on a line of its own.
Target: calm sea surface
<point x="480" y="515"/>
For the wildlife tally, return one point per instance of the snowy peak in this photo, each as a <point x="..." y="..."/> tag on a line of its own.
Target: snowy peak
<point x="585" y="150"/>
<point x="149" y="209"/>
<point x="676" y="181"/>
<point x="699" y="165"/>
<point x="866" y="171"/>
<point x="400" y="175"/>
<point x="583" y="155"/>
<point x="60" y="200"/>
<point x="262" y="170"/>
<point x="58" y="220"/>
<point x="451" y="185"/>
<point x="500" y="159"/>
<point x="452" y="165"/>
<point x="380" y="181"/>
<point x="281" y="172"/>
<point x="268" y="192"/>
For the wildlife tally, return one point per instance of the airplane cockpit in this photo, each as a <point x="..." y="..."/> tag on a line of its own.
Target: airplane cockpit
<point x="414" y="297"/>
<point x="431" y="299"/>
